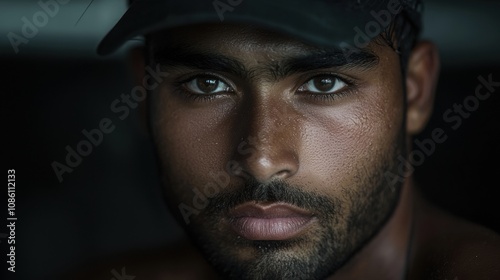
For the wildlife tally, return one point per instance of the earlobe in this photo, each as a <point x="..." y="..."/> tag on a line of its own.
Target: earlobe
<point x="421" y="81"/>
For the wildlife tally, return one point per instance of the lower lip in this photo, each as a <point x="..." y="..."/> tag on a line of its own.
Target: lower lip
<point x="281" y="228"/>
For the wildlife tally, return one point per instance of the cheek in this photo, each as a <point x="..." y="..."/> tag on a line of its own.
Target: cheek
<point x="190" y="141"/>
<point x="344" y="144"/>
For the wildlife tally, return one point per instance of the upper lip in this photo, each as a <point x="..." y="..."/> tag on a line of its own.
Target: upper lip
<point x="268" y="210"/>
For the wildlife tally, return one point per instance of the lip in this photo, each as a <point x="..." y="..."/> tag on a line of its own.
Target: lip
<point x="271" y="221"/>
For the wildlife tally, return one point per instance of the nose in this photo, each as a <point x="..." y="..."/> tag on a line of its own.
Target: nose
<point x="269" y="149"/>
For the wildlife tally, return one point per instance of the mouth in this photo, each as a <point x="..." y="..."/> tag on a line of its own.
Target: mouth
<point x="271" y="221"/>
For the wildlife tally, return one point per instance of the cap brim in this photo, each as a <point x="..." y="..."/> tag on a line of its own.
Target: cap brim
<point x="316" y="22"/>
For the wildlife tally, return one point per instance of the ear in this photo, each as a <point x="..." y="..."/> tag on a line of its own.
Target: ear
<point x="421" y="81"/>
<point x="137" y="65"/>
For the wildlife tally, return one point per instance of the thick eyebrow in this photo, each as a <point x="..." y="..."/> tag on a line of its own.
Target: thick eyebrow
<point x="311" y="60"/>
<point x="361" y="59"/>
<point x="184" y="57"/>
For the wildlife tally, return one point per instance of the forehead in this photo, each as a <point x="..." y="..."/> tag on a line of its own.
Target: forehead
<point x="251" y="44"/>
<point x="228" y="38"/>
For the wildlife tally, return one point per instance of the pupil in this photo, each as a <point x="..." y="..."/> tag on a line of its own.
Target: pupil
<point x="208" y="85"/>
<point x="323" y="83"/>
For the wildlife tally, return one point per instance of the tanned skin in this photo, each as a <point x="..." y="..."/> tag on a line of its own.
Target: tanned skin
<point x="333" y="147"/>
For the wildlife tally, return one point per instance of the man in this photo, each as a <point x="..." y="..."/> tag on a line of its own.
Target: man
<point x="280" y="127"/>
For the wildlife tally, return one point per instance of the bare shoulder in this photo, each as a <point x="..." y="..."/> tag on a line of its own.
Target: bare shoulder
<point x="447" y="247"/>
<point x="178" y="262"/>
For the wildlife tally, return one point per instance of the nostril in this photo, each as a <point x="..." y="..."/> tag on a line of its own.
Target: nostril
<point x="282" y="174"/>
<point x="263" y="167"/>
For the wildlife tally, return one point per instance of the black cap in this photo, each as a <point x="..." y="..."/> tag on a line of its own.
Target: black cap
<point x="320" y="22"/>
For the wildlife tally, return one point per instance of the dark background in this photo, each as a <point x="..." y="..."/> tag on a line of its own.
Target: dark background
<point x="110" y="204"/>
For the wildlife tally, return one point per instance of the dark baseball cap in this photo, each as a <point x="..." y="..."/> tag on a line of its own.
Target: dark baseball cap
<point x="328" y="23"/>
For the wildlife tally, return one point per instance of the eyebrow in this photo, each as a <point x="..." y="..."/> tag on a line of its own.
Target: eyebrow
<point x="317" y="58"/>
<point x="182" y="57"/>
<point x="327" y="58"/>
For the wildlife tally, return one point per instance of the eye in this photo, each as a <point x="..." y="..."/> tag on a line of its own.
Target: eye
<point x="207" y="85"/>
<point x="323" y="84"/>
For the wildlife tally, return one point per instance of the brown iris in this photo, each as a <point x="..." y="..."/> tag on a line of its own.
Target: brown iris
<point x="324" y="83"/>
<point x="207" y="84"/>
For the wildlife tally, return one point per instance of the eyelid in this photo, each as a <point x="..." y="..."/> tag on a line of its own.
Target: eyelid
<point x="343" y="78"/>
<point x="348" y="81"/>
<point x="191" y="77"/>
<point x="219" y="77"/>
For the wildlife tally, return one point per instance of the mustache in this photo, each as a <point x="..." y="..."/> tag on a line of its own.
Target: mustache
<point x="274" y="191"/>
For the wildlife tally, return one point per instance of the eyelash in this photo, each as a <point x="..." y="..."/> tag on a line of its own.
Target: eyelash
<point x="349" y="88"/>
<point x="179" y="86"/>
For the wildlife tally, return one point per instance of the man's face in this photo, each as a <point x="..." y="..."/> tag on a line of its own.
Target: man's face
<point x="274" y="154"/>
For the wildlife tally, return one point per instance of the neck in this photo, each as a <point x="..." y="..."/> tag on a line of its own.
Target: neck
<point x="385" y="256"/>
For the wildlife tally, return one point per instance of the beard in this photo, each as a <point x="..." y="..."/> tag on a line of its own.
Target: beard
<point x="345" y="223"/>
